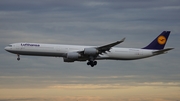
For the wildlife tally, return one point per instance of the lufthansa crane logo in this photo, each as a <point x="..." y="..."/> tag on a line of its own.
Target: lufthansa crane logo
<point x="161" y="40"/>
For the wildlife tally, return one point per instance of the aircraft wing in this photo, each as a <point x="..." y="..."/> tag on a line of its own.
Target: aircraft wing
<point x="104" y="48"/>
<point x="162" y="51"/>
<point x="107" y="47"/>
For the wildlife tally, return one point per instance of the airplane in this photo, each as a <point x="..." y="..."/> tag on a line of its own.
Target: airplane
<point x="72" y="53"/>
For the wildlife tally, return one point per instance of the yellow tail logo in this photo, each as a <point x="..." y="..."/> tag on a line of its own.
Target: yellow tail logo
<point x="161" y="40"/>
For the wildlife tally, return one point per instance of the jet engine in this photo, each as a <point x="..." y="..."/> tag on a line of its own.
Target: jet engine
<point x="90" y="51"/>
<point x="73" y="55"/>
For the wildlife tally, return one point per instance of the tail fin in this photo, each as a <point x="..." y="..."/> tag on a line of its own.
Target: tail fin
<point x="159" y="42"/>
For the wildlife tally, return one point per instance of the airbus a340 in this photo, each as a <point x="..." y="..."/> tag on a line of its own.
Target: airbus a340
<point x="71" y="53"/>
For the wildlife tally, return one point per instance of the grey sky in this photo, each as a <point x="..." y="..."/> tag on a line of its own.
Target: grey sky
<point x="88" y="22"/>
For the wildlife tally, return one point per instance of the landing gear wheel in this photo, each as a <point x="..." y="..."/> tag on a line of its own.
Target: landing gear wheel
<point x="95" y="62"/>
<point x="92" y="63"/>
<point x="88" y="63"/>
<point x="18" y="59"/>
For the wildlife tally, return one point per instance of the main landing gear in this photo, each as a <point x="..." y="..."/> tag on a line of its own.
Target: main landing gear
<point x="18" y="57"/>
<point x="92" y="63"/>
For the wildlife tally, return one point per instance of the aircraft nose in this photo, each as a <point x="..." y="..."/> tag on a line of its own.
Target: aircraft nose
<point x="6" y="48"/>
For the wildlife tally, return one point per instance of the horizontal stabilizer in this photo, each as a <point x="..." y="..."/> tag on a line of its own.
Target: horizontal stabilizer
<point x="162" y="51"/>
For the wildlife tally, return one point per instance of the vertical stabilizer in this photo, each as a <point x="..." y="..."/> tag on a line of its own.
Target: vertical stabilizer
<point x="159" y="42"/>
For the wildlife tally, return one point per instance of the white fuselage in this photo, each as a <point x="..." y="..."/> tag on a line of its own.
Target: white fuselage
<point x="71" y="53"/>
<point x="58" y="50"/>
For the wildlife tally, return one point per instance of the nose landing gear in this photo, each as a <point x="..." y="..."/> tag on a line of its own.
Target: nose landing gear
<point x="18" y="57"/>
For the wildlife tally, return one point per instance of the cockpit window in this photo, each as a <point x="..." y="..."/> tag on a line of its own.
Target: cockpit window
<point x="9" y="45"/>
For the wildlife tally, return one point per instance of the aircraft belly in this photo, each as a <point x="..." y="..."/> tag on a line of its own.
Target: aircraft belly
<point x="39" y="53"/>
<point x="122" y="56"/>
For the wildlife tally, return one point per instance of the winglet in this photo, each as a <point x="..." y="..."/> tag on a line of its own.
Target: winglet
<point x="123" y="39"/>
<point x="116" y="43"/>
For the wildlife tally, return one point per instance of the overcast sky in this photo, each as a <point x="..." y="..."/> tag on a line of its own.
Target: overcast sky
<point x="89" y="22"/>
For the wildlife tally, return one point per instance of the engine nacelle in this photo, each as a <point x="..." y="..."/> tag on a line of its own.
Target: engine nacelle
<point x="90" y="51"/>
<point x="73" y="55"/>
<point x="68" y="60"/>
